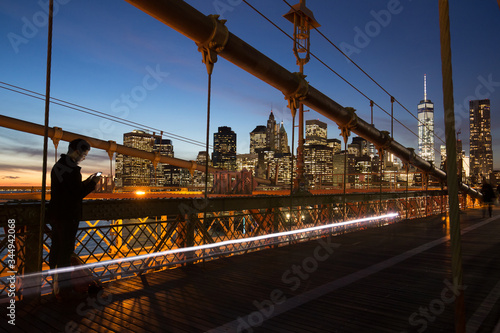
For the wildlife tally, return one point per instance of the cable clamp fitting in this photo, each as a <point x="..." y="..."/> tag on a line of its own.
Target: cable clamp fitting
<point x="192" y="168"/>
<point x="299" y="94"/>
<point x="112" y="149"/>
<point x="156" y="160"/>
<point x="58" y="134"/>
<point x="386" y="142"/>
<point x="345" y="130"/>
<point x="215" y="43"/>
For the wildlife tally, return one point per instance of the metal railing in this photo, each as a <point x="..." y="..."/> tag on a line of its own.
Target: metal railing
<point x="131" y="228"/>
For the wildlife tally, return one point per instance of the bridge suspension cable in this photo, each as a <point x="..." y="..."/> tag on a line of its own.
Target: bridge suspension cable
<point x="368" y="75"/>
<point x="96" y="113"/>
<point x="344" y="79"/>
<point x="198" y="27"/>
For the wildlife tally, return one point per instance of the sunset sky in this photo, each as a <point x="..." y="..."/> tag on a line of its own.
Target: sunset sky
<point x="111" y="57"/>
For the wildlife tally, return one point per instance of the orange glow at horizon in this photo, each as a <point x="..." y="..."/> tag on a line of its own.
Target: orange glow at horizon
<point x="22" y="178"/>
<point x="26" y="177"/>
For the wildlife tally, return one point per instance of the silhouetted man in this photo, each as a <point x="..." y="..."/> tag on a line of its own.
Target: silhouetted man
<point x="65" y="210"/>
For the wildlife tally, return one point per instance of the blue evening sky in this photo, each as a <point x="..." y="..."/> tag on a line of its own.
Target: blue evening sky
<point x="111" y="57"/>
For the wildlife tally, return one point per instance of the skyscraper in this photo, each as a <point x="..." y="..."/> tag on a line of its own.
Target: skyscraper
<point x="269" y="138"/>
<point x="283" y="146"/>
<point x="316" y="132"/>
<point x="199" y="176"/>
<point x="135" y="171"/>
<point x="224" y="155"/>
<point x="166" y="174"/>
<point x="426" y="127"/>
<point x="481" y="153"/>
<point x="272" y="140"/>
<point x="258" y="140"/>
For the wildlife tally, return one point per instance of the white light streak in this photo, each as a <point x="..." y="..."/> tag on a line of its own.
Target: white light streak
<point x="210" y="246"/>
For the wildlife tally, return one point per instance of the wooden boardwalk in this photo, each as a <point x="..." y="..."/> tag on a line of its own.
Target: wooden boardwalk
<point x="390" y="279"/>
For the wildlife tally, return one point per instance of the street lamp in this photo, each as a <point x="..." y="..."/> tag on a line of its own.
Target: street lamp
<point x="303" y="20"/>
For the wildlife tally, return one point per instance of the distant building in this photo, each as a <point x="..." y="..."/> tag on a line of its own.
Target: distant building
<point x="318" y="161"/>
<point x="279" y="167"/>
<point x="246" y="161"/>
<point x="316" y="132"/>
<point x="363" y="171"/>
<point x="442" y="150"/>
<point x="364" y="148"/>
<point x="335" y="144"/>
<point x="426" y="127"/>
<point x="462" y="161"/>
<point x="198" y="178"/>
<point x="258" y="140"/>
<point x="269" y="138"/>
<point x="354" y="149"/>
<point x="272" y="131"/>
<point x="135" y="171"/>
<point x="339" y="162"/>
<point x="283" y="147"/>
<point x="466" y="167"/>
<point x="481" y="153"/>
<point x="224" y="154"/>
<point x="163" y="171"/>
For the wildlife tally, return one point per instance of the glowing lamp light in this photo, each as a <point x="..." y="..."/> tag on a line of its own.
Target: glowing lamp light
<point x="140" y="192"/>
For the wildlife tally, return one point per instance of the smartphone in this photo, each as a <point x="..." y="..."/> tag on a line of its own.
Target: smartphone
<point x="98" y="174"/>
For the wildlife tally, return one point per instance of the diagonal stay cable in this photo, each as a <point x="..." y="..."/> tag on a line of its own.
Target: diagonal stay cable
<point x="95" y="113"/>
<point x="323" y="63"/>
<point x="345" y="80"/>
<point x="364" y="72"/>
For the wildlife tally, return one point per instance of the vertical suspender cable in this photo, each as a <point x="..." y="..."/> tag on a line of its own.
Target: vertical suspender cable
<point x="371" y="107"/>
<point x="381" y="156"/>
<point x="46" y="131"/>
<point x="291" y="169"/>
<point x="207" y="142"/>
<point x="345" y="178"/>
<point x="407" y="166"/>
<point x="392" y="117"/>
<point x="451" y="152"/>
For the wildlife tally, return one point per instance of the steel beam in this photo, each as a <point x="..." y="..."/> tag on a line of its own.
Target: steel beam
<point x="28" y="127"/>
<point x="185" y="19"/>
<point x="26" y="213"/>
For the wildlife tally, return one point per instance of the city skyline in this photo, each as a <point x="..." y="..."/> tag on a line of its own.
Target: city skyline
<point x="125" y="63"/>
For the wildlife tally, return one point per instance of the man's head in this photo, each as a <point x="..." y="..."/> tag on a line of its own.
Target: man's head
<point x="78" y="150"/>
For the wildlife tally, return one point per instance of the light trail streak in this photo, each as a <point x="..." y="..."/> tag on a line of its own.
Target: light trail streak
<point x="209" y="246"/>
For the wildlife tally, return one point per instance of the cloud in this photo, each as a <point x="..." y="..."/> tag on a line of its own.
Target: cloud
<point x="10" y="177"/>
<point x="17" y="168"/>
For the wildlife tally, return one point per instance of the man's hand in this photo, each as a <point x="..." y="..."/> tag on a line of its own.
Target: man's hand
<point x="96" y="177"/>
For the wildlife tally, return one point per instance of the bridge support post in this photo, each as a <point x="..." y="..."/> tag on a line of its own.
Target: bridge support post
<point x="407" y="168"/>
<point x="345" y="132"/>
<point x="451" y="153"/>
<point x="185" y="235"/>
